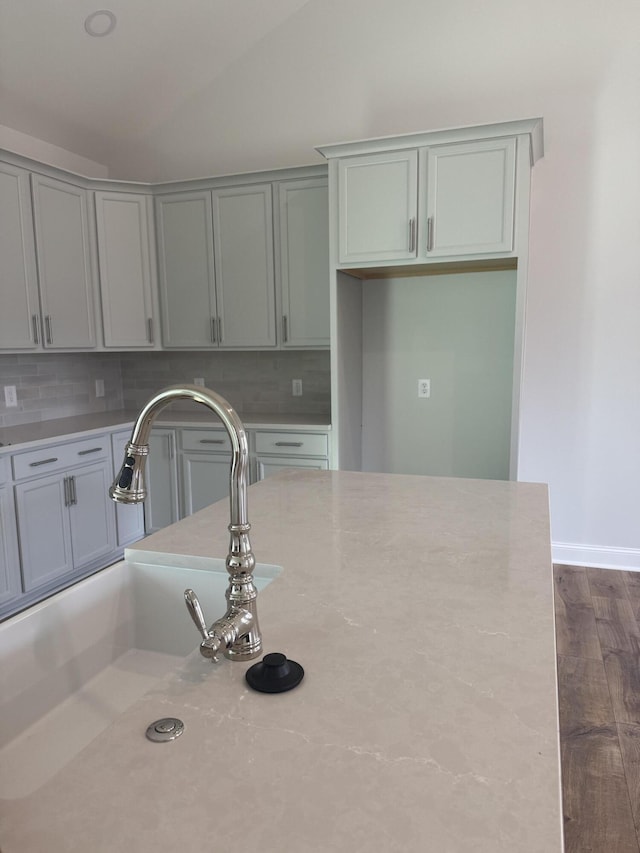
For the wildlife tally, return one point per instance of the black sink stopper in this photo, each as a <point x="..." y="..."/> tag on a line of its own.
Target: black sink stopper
<point x="274" y="674"/>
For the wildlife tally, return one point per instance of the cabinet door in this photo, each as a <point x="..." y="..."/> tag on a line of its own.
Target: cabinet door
<point x="243" y="246"/>
<point x="377" y="207"/>
<point x="161" y="507"/>
<point x="205" y="479"/>
<point x="470" y="198"/>
<point x="91" y="514"/>
<point x="129" y="517"/>
<point x="20" y="312"/>
<point x="43" y="526"/>
<point x="304" y="262"/>
<point x="184" y="230"/>
<point x="64" y="263"/>
<point x="10" y="584"/>
<point x="125" y="269"/>
<point x="268" y="465"/>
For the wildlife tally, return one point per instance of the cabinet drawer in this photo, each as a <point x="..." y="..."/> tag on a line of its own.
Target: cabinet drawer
<point x="292" y="443"/>
<point x="205" y="439"/>
<point x="57" y="457"/>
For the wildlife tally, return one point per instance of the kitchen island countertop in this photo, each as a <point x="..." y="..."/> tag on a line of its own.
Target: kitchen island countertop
<point x="422" y="611"/>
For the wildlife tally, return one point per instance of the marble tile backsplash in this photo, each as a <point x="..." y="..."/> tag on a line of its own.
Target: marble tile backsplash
<point x="59" y="385"/>
<point x="253" y="382"/>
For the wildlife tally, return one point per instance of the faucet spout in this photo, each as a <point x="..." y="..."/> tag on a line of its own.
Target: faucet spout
<point x="129" y="487"/>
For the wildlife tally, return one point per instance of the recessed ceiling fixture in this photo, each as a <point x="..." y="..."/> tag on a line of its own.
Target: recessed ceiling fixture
<point x="100" y="23"/>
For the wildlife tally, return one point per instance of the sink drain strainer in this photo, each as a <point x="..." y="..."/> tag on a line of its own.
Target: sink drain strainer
<point x="168" y="728"/>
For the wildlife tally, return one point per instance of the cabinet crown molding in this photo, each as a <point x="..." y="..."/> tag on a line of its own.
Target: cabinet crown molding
<point x="533" y="127"/>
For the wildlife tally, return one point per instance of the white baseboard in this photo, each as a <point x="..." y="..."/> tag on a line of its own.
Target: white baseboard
<point x="599" y="558"/>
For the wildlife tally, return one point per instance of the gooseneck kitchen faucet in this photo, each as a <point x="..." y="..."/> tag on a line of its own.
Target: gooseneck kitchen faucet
<point x="237" y="633"/>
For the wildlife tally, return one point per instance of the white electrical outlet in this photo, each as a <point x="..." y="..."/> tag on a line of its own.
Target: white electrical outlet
<point x="296" y="387"/>
<point x="424" y="387"/>
<point x="10" y="395"/>
<point x="99" y="387"/>
<point x="199" y="381"/>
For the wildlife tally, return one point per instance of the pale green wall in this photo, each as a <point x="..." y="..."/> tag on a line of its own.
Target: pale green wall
<point x="457" y="331"/>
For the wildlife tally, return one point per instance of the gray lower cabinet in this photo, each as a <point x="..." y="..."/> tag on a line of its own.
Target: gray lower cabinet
<point x="65" y="523"/>
<point x="10" y="581"/>
<point x="205" y="479"/>
<point x="162" y="506"/>
<point x="272" y="464"/>
<point x="205" y="459"/>
<point x="276" y="450"/>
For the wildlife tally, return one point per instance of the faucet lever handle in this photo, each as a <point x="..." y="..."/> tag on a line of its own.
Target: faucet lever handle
<point x="193" y="606"/>
<point x="210" y="644"/>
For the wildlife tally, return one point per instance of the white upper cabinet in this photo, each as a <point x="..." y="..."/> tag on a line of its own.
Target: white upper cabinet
<point x="122" y="221"/>
<point x="245" y="285"/>
<point x="449" y="195"/>
<point x="377" y="207"/>
<point x="304" y="262"/>
<point x="64" y="263"/>
<point x="215" y="267"/>
<point x="184" y="229"/>
<point x="470" y="195"/>
<point x="20" y="313"/>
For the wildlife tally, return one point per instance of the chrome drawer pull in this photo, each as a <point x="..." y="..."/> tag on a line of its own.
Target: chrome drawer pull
<point x="92" y="450"/>
<point x="288" y="444"/>
<point x="43" y="462"/>
<point x="212" y="441"/>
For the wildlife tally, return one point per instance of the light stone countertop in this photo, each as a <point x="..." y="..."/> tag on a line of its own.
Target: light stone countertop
<point x="422" y="611"/>
<point x="17" y="438"/>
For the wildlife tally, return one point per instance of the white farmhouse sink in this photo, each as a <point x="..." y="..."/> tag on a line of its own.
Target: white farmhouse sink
<point x="71" y="664"/>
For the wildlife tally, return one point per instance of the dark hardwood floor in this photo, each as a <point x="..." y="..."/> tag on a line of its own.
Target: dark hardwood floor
<point x="598" y="647"/>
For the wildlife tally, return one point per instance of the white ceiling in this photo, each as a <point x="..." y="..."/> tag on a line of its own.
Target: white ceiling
<point x="91" y="94"/>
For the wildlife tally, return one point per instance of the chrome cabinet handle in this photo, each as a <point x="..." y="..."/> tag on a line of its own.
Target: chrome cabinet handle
<point x="288" y="443"/>
<point x="212" y="441"/>
<point x="150" y="329"/>
<point x="36" y="333"/>
<point x="65" y="483"/>
<point x="412" y="234"/>
<point x="92" y="450"/>
<point x="43" y="462"/>
<point x="213" y="330"/>
<point x="73" y="497"/>
<point x="219" y="329"/>
<point x="430" y="234"/>
<point x="47" y="325"/>
<point x="285" y="330"/>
